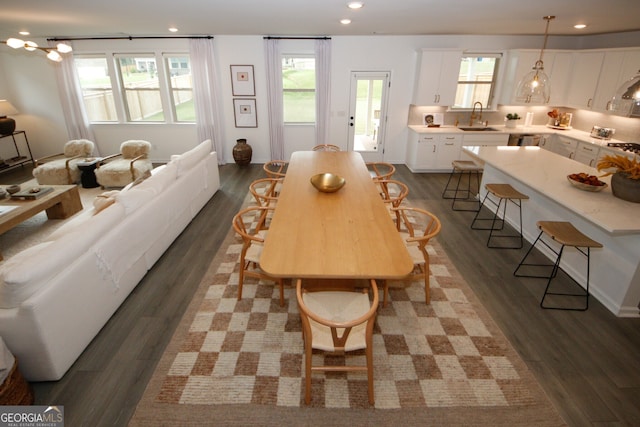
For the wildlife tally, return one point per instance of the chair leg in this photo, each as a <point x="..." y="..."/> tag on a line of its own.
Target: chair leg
<point x="241" y="279"/>
<point x="281" y="285"/>
<point x="307" y="371"/>
<point x="370" y="387"/>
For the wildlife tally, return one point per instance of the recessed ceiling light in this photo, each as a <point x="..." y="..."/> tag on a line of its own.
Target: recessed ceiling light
<point x="355" y="5"/>
<point x="580" y="26"/>
<point x="24" y="33"/>
<point x="173" y="29"/>
<point x="345" y="21"/>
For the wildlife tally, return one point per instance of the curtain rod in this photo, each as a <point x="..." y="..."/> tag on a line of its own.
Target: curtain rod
<point x="296" y="38"/>
<point x="57" y="39"/>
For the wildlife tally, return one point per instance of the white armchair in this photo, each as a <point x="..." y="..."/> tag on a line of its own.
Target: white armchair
<point x="120" y="169"/>
<point x="62" y="168"/>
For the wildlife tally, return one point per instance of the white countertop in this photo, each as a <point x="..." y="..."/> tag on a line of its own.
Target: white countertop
<point x="501" y="129"/>
<point x="546" y="173"/>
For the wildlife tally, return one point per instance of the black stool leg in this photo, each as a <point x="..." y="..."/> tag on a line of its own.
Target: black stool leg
<point x="446" y="187"/>
<point x="554" y="271"/>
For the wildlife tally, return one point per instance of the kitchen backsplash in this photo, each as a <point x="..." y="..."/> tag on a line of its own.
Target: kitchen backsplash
<point x="627" y="129"/>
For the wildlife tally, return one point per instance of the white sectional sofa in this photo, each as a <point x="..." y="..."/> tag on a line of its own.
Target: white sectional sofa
<point x="57" y="295"/>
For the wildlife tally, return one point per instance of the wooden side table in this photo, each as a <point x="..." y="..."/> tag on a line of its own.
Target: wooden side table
<point x="87" y="169"/>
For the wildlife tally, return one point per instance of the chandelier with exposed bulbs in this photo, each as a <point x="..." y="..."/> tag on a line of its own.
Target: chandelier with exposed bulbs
<point x="53" y="53"/>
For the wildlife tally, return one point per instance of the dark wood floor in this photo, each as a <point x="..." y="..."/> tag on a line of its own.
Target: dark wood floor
<point x="587" y="362"/>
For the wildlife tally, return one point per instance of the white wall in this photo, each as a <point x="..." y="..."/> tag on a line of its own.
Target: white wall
<point x="28" y="81"/>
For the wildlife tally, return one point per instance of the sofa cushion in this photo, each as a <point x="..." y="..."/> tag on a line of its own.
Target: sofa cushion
<point x="161" y="178"/>
<point x="189" y="159"/>
<point x="134" y="197"/>
<point x="14" y="290"/>
<point x="26" y="272"/>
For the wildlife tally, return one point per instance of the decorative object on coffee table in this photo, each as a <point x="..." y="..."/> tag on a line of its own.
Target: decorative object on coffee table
<point x="242" y="152"/>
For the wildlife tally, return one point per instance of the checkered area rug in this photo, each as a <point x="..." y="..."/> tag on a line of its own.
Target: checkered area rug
<point x="425" y="356"/>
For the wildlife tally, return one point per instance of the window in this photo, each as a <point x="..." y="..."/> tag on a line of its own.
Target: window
<point x="97" y="93"/>
<point x="154" y="87"/>
<point x="141" y="88"/>
<point x="181" y="85"/>
<point x="476" y="80"/>
<point x="299" y="89"/>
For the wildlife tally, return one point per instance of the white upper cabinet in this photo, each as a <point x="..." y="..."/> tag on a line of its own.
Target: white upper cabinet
<point x="584" y="79"/>
<point x="597" y="75"/>
<point x="437" y="77"/>
<point x="560" y="77"/>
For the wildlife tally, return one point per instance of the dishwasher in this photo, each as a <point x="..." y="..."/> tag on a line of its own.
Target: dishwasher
<point x="523" y="139"/>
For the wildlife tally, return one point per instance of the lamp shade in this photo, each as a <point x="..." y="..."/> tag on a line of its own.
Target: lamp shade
<point x="534" y="88"/>
<point x="627" y="96"/>
<point x="7" y="125"/>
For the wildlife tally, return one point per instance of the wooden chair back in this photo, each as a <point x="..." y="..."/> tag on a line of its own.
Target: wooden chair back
<point x="337" y="322"/>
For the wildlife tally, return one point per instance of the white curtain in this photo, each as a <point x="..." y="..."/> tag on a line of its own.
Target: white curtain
<point x="205" y="94"/>
<point x="323" y="89"/>
<point x="75" y="116"/>
<point x="274" y="97"/>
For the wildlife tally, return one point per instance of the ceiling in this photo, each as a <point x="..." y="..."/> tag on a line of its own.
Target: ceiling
<point x="85" y="18"/>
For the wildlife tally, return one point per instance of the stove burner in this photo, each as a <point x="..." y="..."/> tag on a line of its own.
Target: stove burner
<point x="626" y="146"/>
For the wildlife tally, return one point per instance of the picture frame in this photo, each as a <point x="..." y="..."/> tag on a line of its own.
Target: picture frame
<point x="242" y="80"/>
<point x="244" y="112"/>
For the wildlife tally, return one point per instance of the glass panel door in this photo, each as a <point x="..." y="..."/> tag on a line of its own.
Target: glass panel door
<point x="367" y="113"/>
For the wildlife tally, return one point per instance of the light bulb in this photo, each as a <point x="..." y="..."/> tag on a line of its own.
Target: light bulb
<point x="30" y="46"/>
<point x="15" y="43"/>
<point x="54" y="56"/>
<point x="63" y="48"/>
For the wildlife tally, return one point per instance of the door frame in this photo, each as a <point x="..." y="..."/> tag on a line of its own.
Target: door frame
<point x="378" y="155"/>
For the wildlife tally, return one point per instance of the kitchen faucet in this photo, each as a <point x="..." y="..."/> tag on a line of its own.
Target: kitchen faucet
<point x="473" y="113"/>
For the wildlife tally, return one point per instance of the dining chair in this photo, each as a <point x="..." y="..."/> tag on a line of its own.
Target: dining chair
<point x="337" y="321"/>
<point x="393" y="193"/>
<point x="265" y="192"/>
<point x="326" y="147"/>
<point x="381" y="170"/>
<point x="246" y="225"/>
<point x="418" y="227"/>
<point x="275" y="168"/>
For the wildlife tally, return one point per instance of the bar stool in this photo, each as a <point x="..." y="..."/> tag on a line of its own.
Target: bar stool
<point x="461" y="168"/>
<point x="564" y="234"/>
<point x="504" y="193"/>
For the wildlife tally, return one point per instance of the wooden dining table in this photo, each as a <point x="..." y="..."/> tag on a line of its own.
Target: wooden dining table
<point x="348" y="234"/>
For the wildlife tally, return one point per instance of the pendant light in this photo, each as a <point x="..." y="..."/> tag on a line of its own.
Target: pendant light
<point x="534" y="88"/>
<point x="626" y="101"/>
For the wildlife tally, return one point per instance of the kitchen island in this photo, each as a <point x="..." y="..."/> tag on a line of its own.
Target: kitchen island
<point x="542" y="175"/>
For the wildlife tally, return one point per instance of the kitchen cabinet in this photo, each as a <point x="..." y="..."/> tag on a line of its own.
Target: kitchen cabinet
<point x="563" y="145"/>
<point x="485" y="139"/>
<point x="587" y="153"/>
<point x="560" y="76"/>
<point x="618" y="67"/>
<point x="437" y="77"/>
<point x="433" y="152"/>
<point x="584" y="79"/>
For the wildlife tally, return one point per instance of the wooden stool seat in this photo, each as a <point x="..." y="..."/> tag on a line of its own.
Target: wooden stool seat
<point x="566" y="234"/>
<point x="505" y="191"/>
<point x="466" y="165"/>
<point x="563" y="233"/>
<point x="463" y="197"/>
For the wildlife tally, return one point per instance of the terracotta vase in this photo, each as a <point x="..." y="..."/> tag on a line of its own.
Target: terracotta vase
<point x="242" y="152"/>
<point x="625" y="188"/>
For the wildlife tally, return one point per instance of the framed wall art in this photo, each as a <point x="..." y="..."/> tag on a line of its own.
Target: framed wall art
<point x="242" y="81"/>
<point x="244" y="111"/>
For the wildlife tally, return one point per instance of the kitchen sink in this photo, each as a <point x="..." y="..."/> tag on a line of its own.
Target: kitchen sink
<point x="478" y="129"/>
